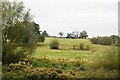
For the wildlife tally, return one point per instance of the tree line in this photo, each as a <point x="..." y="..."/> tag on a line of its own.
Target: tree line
<point x="106" y="40"/>
<point x="75" y="34"/>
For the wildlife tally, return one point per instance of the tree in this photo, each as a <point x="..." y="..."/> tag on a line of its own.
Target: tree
<point x="45" y="34"/>
<point x="83" y="34"/>
<point x="36" y="28"/>
<point x="68" y="35"/>
<point x="40" y="37"/>
<point x="115" y="39"/>
<point x="10" y="15"/>
<point x="71" y="35"/>
<point x="61" y="34"/>
<point x="17" y="31"/>
<point x="75" y="33"/>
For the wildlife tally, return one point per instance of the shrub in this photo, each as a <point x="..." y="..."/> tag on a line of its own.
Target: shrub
<point x="20" y="70"/>
<point x="84" y="47"/>
<point x="105" y="41"/>
<point x="75" y="47"/>
<point x="12" y="53"/>
<point x="112" y="40"/>
<point x="41" y="38"/>
<point x="54" y="44"/>
<point x="94" y="40"/>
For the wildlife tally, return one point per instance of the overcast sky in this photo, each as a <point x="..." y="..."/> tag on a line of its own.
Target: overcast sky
<point x="97" y="17"/>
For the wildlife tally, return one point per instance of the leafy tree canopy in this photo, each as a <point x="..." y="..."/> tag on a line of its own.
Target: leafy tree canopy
<point x="83" y="34"/>
<point x="44" y="33"/>
<point x="61" y="34"/>
<point x="18" y="30"/>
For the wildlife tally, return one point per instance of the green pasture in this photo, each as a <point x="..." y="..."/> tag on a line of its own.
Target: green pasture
<point x="66" y="49"/>
<point x="91" y="58"/>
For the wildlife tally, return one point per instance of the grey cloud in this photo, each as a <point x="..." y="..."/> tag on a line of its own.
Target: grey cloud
<point x="97" y="17"/>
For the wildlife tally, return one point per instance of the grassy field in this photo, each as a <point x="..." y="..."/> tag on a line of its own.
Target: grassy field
<point x="67" y="55"/>
<point x="99" y="61"/>
<point x="66" y="50"/>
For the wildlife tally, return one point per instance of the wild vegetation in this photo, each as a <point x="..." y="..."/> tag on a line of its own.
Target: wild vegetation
<point x="20" y="33"/>
<point x="112" y="40"/>
<point x="99" y="61"/>
<point x="29" y="54"/>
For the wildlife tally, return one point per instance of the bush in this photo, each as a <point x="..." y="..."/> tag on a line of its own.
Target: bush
<point x="84" y="47"/>
<point x="12" y="53"/>
<point x="54" y="44"/>
<point x="105" y="41"/>
<point x="112" y="40"/>
<point x="75" y="47"/>
<point x="94" y="40"/>
<point x="41" y="38"/>
<point x="20" y="70"/>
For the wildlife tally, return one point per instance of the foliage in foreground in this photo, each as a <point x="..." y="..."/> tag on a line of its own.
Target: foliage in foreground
<point x="109" y="59"/>
<point x="26" y="71"/>
<point x="19" y="32"/>
<point x="44" y="68"/>
<point x="11" y="53"/>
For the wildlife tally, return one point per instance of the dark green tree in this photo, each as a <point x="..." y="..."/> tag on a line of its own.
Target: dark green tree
<point x="83" y="35"/>
<point x="40" y="37"/>
<point x="44" y="33"/>
<point x="36" y="28"/>
<point x="105" y="40"/>
<point x="61" y="34"/>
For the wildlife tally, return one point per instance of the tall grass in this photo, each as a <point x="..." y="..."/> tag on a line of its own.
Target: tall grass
<point x="109" y="59"/>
